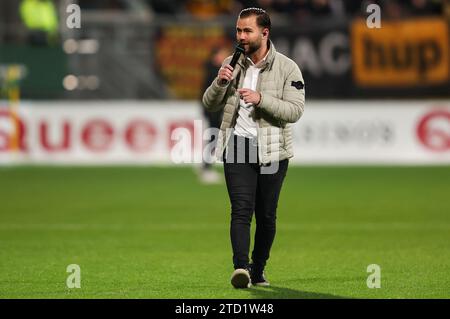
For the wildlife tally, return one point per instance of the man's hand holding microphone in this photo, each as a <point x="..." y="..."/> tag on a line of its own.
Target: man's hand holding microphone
<point x="225" y="76"/>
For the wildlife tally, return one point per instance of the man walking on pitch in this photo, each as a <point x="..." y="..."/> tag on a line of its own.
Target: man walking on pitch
<point x="260" y="96"/>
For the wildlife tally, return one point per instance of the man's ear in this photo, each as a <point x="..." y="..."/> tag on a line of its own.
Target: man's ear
<point x="265" y="32"/>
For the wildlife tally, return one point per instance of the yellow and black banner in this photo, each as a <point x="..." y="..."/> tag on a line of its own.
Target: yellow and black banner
<point x="407" y="53"/>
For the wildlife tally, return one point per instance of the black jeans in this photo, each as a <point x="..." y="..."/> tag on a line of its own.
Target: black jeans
<point x="251" y="190"/>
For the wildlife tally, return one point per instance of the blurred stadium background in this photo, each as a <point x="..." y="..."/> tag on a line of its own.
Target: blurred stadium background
<point x="87" y="122"/>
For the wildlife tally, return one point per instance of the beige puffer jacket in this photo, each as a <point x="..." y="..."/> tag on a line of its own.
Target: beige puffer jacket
<point x="282" y="102"/>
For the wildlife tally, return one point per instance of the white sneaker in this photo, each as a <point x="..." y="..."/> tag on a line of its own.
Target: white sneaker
<point x="241" y="278"/>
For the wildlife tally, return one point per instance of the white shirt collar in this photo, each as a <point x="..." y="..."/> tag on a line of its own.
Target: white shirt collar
<point x="259" y="64"/>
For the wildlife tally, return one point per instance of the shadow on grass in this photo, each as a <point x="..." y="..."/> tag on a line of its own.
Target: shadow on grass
<point x="276" y="292"/>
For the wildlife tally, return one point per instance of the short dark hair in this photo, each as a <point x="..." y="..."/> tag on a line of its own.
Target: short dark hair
<point x="262" y="18"/>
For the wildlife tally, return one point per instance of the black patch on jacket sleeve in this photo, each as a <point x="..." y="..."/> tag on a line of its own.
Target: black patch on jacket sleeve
<point x="298" y="85"/>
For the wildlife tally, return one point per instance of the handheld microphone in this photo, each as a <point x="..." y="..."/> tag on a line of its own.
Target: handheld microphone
<point x="237" y="53"/>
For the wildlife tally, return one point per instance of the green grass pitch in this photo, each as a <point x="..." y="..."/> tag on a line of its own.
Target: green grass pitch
<point x="153" y="232"/>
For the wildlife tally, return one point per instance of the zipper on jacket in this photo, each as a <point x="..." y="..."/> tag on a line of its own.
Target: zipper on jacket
<point x="258" y="122"/>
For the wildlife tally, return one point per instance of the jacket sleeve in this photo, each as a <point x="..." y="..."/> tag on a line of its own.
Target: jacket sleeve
<point x="214" y="98"/>
<point x="291" y="106"/>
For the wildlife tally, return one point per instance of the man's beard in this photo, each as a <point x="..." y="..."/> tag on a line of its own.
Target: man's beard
<point x="252" y="48"/>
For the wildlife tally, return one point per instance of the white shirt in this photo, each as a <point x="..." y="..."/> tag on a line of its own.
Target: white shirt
<point x="245" y="124"/>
